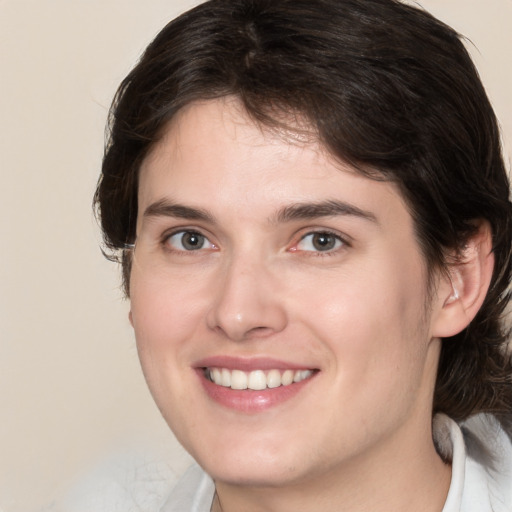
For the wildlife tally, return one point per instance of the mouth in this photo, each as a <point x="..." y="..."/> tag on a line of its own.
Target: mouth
<point x="252" y="385"/>
<point x="256" y="380"/>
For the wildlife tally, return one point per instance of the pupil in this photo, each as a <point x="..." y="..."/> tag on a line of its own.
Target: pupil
<point x="323" y="241"/>
<point x="192" y="241"/>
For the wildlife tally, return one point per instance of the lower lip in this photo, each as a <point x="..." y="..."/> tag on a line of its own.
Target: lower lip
<point x="248" y="400"/>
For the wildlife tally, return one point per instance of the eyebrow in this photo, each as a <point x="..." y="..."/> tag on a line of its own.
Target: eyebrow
<point x="165" y="208"/>
<point x="292" y="212"/>
<point x="329" y="208"/>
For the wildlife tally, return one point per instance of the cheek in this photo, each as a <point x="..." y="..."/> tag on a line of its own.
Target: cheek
<point x="165" y="317"/>
<point x="372" y="324"/>
<point x="165" y="311"/>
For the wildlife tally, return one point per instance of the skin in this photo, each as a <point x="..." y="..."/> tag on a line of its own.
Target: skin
<point x="358" y="435"/>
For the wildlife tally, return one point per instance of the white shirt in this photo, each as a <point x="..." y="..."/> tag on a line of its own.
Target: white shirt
<point x="481" y="456"/>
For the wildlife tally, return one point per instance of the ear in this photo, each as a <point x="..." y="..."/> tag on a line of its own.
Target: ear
<point x="461" y="292"/>
<point x="130" y="317"/>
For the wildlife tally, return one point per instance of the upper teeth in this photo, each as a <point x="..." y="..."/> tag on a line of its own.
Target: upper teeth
<point x="257" y="379"/>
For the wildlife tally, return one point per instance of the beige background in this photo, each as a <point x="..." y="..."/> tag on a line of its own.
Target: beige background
<point x="71" y="391"/>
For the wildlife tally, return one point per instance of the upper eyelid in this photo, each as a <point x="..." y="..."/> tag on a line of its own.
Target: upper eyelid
<point x="167" y="233"/>
<point x="346" y="239"/>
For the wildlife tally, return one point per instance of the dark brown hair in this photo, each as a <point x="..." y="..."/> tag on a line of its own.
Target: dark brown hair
<point x="385" y="86"/>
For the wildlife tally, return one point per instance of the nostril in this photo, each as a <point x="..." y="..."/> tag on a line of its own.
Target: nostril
<point x="258" y="332"/>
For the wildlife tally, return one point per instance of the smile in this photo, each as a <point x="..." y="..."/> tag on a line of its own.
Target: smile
<point x="256" y="380"/>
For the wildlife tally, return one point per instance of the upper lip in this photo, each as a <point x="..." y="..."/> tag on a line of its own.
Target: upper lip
<point x="249" y="364"/>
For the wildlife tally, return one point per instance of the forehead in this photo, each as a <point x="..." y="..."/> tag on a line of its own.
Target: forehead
<point x="214" y="156"/>
<point x="201" y="129"/>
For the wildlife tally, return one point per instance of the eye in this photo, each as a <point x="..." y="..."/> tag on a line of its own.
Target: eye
<point x="320" y="241"/>
<point x="188" y="241"/>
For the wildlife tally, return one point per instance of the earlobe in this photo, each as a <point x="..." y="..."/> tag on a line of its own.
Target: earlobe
<point x="462" y="291"/>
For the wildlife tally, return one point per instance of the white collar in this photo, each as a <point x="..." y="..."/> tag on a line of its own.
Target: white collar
<point x="481" y="457"/>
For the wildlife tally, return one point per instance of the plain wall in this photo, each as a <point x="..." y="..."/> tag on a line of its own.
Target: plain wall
<point x="71" y="390"/>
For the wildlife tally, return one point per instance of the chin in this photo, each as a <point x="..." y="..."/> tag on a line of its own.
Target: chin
<point x="248" y="464"/>
<point x="255" y="473"/>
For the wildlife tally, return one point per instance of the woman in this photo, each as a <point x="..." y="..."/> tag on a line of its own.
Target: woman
<point x="312" y="213"/>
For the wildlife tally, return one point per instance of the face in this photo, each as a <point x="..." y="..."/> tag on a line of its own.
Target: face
<point x="279" y="303"/>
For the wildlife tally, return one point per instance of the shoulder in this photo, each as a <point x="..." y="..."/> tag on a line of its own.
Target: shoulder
<point x="488" y="464"/>
<point x="193" y="493"/>
<point x="123" y="482"/>
<point x="481" y="457"/>
<point x="131" y="483"/>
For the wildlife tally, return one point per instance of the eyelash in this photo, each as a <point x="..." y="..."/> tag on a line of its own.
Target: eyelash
<point x="339" y="241"/>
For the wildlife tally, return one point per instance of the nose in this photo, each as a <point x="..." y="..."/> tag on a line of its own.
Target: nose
<point x="247" y="302"/>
